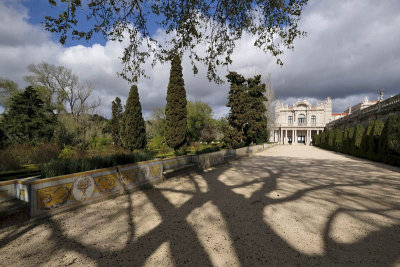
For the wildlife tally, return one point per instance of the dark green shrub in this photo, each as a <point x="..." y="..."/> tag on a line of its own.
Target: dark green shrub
<point x="331" y="137"/>
<point x="208" y="149"/>
<point x="364" y="142"/>
<point x="67" y="166"/>
<point x="322" y="139"/>
<point x="373" y="140"/>
<point x="8" y="161"/>
<point x="337" y="144"/>
<point x="348" y="142"/>
<point x="356" y="140"/>
<point x="389" y="145"/>
<point x="316" y="140"/>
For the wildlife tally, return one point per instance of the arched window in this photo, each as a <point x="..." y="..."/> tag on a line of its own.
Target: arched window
<point x="302" y="119"/>
<point x="313" y="120"/>
<point x="290" y="120"/>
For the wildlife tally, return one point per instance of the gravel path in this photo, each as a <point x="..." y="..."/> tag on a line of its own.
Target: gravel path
<point x="291" y="205"/>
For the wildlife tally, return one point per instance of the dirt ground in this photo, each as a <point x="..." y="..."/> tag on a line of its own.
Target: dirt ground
<point x="291" y="205"/>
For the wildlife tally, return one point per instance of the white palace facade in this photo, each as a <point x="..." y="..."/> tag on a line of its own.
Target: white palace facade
<point x="298" y="124"/>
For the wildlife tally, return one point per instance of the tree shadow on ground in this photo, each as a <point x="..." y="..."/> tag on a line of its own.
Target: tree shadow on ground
<point x="264" y="209"/>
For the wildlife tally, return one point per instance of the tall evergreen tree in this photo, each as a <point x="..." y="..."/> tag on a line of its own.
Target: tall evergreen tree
<point x="257" y="121"/>
<point x="133" y="127"/>
<point x="238" y="104"/>
<point x="389" y="141"/>
<point x="373" y="140"/>
<point x="28" y="120"/>
<point x="116" y="121"/>
<point x="175" y="110"/>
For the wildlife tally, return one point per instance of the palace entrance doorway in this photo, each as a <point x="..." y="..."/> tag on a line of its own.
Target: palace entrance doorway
<point x="301" y="139"/>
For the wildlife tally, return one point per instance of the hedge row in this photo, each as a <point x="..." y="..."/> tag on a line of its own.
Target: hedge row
<point x="378" y="141"/>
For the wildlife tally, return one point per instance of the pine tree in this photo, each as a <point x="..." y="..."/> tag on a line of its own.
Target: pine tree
<point x="133" y="127"/>
<point x="28" y="120"/>
<point x="238" y="104"/>
<point x="176" y="110"/>
<point x="256" y="115"/>
<point x="116" y="121"/>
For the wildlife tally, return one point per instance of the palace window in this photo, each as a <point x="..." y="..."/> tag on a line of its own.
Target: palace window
<point x="313" y="120"/>
<point x="290" y="120"/>
<point x="302" y="119"/>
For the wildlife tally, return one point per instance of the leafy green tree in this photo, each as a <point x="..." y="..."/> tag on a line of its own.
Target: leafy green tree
<point x="373" y="140"/>
<point x="199" y="118"/>
<point x="28" y="120"/>
<point x="257" y="121"/>
<point x="238" y="103"/>
<point x="116" y="120"/>
<point x="8" y="89"/>
<point x="176" y="110"/>
<point x="134" y="130"/>
<point x="188" y="24"/>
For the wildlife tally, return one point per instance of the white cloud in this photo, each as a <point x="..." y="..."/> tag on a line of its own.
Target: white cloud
<point x="350" y="52"/>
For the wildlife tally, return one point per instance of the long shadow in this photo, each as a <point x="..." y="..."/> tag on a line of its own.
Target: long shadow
<point x="254" y="240"/>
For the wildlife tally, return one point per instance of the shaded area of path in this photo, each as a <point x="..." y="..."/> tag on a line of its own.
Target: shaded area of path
<point x="294" y="205"/>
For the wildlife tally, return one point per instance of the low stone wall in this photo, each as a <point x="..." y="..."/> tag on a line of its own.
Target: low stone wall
<point x="208" y="160"/>
<point x="67" y="191"/>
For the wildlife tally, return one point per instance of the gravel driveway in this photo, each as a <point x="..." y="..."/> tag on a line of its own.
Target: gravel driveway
<point x="291" y="205"/>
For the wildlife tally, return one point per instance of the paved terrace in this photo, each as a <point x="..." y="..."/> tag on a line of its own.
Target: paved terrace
<point x="291" y="205"/>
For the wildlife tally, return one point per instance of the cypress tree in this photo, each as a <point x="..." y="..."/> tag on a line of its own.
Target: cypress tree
<point x="28" y="120"/>
<point x="322" y="140"/>
<point x="134" y="130"/>
<point x="356" y="140"/>
<point x="373" y="140"/>
<point x="116" y="121"/>
<point x="389" y="145"/>
<point x="257" y="121"/>
<point x="331" y="137"/>
<point x="337" y="144"/>
<point x="238" y="104"/>
<point x="176" y="110"/>
<point x="349" y="140"/>
<point x="364" y="142"/>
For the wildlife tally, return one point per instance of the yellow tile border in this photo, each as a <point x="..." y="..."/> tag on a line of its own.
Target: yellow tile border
<point x="8" y="182"/>
<point x="72" y="175"/>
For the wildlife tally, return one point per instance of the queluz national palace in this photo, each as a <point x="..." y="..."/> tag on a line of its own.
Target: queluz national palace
<point x="300" y="122"/>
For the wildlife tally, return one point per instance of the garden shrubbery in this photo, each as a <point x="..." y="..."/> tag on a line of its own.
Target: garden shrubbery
<point x="378" y="141"/>
<point x="73" y="165"/>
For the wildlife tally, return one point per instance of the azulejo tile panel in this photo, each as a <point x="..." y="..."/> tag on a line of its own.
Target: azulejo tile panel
<point x="54" y="196"/>
<point x="106" y="183"/>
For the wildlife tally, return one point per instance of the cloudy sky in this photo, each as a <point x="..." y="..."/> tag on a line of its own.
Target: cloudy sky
<point x="352" y="50"/>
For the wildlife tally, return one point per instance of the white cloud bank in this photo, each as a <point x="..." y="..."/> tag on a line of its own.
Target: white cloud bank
<point x="350" y="52"/>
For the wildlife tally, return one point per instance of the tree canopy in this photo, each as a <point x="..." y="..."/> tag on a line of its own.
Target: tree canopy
<point x="28" y="119"/>
<point x="8" y="89"/>
<point x="188" y="24"/>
